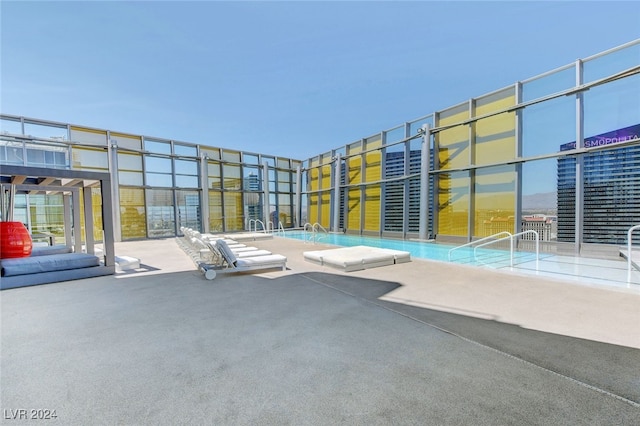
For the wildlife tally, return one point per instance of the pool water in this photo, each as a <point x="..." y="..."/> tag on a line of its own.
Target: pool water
<point x="422" y="250"/>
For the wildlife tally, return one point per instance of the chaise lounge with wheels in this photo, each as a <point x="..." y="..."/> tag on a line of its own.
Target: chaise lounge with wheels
<point x="232" y="263"/>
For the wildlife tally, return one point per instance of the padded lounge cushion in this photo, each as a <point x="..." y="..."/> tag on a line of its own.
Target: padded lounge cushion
<point x="48" y="250"/>
<point x="51" y="263"/>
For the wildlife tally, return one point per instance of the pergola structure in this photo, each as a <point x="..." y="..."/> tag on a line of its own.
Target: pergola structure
<point x="69" y="183"/>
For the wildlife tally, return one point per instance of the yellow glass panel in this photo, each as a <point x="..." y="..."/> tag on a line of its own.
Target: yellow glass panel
<point x="326" y="176"/>
<point x="354" y="169"/>
<point x="353" y="209"/>
<point x="373" y="170"/>
<point x="132" y="213"/>
<point x="495" y="139"/>
<point x="216" y="222"/>
<point x="213" y="172"/>
<point x="372" y="208"/>
<point x="314" y="176"/>
<point x="313" y="208"/>
<point x="96" y="206"/>
<point x="453" y="143"/>
<point x="232" y="177"/>
<point x="453" y="203"/>
<point x="88" y="136"/>
<point x="325" y="209"/>
<point x="89" y="159"/>
<point x="229" y="155"/>
<point x="233" y="211"/>
<point x="494" y="201"/>
<point x="126" y="141"/>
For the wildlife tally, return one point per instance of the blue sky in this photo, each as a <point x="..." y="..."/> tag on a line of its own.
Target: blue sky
<point x="293" y="79"/>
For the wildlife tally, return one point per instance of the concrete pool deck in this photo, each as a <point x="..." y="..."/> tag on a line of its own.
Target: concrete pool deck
<point x="416" y="343"/>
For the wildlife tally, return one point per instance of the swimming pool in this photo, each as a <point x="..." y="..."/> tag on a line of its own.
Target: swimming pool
<point x="418" y="249"/>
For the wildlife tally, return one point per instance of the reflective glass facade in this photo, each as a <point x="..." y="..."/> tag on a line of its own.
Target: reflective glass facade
<point x="522" y="157"/>
<point x="519" y="158"/>
<point x="163" y="185"/>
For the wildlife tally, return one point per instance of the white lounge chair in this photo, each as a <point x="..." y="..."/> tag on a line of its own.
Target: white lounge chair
<point x="242" y="252"/>
<point x="231" y="263"/>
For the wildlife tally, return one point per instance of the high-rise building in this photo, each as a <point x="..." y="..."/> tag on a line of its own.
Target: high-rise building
<point x="611" y="187"/>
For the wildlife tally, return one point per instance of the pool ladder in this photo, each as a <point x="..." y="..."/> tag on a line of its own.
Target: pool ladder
<point x="317" y="231"/>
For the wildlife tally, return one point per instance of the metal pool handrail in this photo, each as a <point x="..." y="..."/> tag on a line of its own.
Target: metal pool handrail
<point x="511" y="238"/>
<point x="490" y="237"/>
<point x="629" y="241"/>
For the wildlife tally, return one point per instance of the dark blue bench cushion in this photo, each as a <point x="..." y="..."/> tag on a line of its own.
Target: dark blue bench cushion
<point x="50" y="263"/>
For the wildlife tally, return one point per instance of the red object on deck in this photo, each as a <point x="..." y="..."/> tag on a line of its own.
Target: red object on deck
<point x="15" y="240"/>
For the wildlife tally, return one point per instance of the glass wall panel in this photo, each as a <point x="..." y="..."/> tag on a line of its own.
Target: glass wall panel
<point x="394" y="191"/>
<point x="186" y="172"/>
<point x="415" y="169"/>
<point x="188" y="209"/>
<point x="353" y="209"/>
<point x="453" y="143"/>
<point x="233" y="211"/>
<point x="558" y="81"/>
<point x="495" y="139"/>
<point x="272" y="180"/>
<point x="284" y="181"/>
<point x="13" y="127"/>
<point x="39" y="155"/>
<point x="157" y="147"/>
<point x="160" y="213"/>
<point x="253" y="206"/>
<point x="21" y="210"/>
<point x="312" y="213"/>
<point x="283" y="163"/>
<point x="46" y="213"/>
<point x="453" y="205"/>
<point x="250" y="159"/>
<point x="88" y="136"/>
<point x="611" y="63"/>
<point x="285" y="210"/>
<point x="232" y="156"/>
<point x="216" y="216"/>
<point x="372" y="208"/>
<point x="415" y="125"/>
<point x="90" y="159"/>
<point x="232" y="177"/>
<point x="130" y="169"/>
<point x="185" y="150"/>
<point x="548" y="125"/>
<point x="612" y="107"/>
<point x="48" y="131"/>
<point x="132" y="213"/>
<point x="210" y="153"/>
<point x="494" y="200"/>
<point x="325" y="211"/>
<point x="251" y="179"/>
<point x="11" y="152"/>
<point x="215" y="180"/>
<point x="373" y="166"/>
<point x="96" y="212"/>
<point x="183" y="181"/>
<point x="540" y="192"/>
<point x="126" y="141"/>
<point x="271" y="161"/>
<point x="158" y="171"/>
<point x="394" y="135"/>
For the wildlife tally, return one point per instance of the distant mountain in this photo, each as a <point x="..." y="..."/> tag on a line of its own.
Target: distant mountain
<point x="540" y="201"/>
